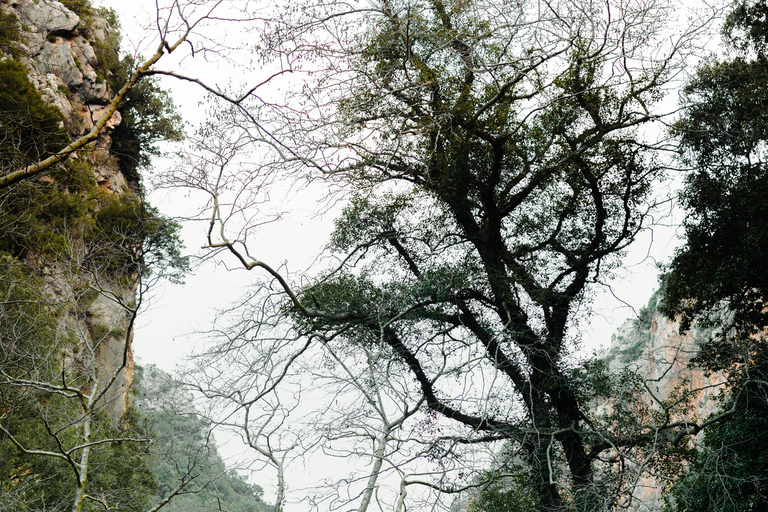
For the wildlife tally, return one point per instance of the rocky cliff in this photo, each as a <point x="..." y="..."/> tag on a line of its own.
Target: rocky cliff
<point x="60" y="51"/>
<point x="653" y="346"/>
<point x="78" y="246"/>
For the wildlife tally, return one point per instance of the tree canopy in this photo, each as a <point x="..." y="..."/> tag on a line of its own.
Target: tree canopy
<point x="720" y="275"/>
<point x="719" y="278"/>
<point x="495" y="168"/>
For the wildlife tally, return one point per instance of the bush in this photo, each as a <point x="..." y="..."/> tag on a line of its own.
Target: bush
<point x="29" y="129"/>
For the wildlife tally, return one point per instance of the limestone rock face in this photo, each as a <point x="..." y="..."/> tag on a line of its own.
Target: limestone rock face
<point x="59" y="53"/>
<point x="57" y="48"/>
<point x="46" y="16"/>
<point x="653" y="346"/>
<point x="658" y="351"/>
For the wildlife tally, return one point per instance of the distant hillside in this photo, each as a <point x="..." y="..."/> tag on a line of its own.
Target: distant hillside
<point x="184" y="446"/>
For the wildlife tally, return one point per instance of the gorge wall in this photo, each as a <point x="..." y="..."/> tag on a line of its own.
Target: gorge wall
<point x="652" y="346"/>
<point x="64" y="55"/>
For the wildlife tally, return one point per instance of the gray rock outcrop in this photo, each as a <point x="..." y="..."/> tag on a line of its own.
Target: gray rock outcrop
<point x="58" y="50"/>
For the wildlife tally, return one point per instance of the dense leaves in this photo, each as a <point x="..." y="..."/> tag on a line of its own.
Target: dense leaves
<point x="723" y="264"/>
<point x="67" y="213"/>
<point x="29" y="129"/>
<point x="730" y="471"/>
<point x="719" y="278"/>
<point x="721" y="273"/>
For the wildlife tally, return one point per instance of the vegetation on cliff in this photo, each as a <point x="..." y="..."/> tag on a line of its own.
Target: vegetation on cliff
<point x="78" y="247"/>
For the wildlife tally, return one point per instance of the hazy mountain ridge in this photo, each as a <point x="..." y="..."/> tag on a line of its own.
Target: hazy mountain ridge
<point x="183" y="440"/>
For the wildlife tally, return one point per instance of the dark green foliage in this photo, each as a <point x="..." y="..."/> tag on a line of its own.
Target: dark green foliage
<point x="746" y="26"/>
<point x="27" y="324"/>
<point x="730" y="471"/>
<point x="720" y="276"/>
<point x="148" y="117"/>
<point x="110" y="16"/>
<point x="9" y="33"/>
<point x="82" y="8"/>
<point x="511" y="493"/>
<point x="123" y="471"/>
<point x="150" y="241"/>
<point x="148" y="113"/>
<point x="119" y="472"/>
<point x="720" y="128"/>
<point x="29" y="129"/>
<point x="118" y="232"/>
<point x="40" y="214"/>
<point x="30" y="482"/>
<point x="46" y="215"/>
<point x="33" y="347"/>
<point x="645" y="315"/>
<point x="723" y="264"/>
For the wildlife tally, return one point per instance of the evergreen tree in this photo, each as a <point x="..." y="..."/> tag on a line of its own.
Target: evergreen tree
<point x="719" y="278"/>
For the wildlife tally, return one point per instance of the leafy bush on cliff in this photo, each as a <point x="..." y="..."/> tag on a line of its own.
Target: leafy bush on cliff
<point x="29" y="129"/>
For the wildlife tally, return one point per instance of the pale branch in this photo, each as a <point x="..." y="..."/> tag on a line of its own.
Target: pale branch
<point x="100" y="501"/>
<point x="109" y="440"/>
<point x="163" y="502"/>
<point x="250" y="263"/>
<point x="63" y="456"/>
<point x="234" y="100"/>
<point x="65" y="390"/>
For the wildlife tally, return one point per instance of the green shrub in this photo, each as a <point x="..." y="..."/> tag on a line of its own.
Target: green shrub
<point x="29" y="129"/>
<point x="9" y="33"/>
<point x="82" y="8"/>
